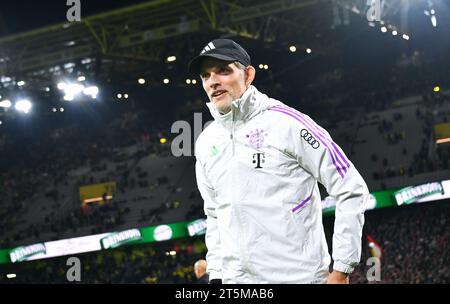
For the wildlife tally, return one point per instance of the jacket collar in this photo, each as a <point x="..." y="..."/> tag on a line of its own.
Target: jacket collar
<point x="251" y="103"/>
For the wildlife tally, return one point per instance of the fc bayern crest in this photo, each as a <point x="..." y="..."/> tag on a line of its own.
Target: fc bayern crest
<point x="256" y="138"/>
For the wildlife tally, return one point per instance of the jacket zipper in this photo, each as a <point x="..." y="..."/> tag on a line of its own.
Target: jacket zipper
<point x="232" y="131"/>
<point x="243" y="247"/>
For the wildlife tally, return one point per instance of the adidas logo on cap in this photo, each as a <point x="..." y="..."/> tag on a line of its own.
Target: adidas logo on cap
<point x="209" y="47"/>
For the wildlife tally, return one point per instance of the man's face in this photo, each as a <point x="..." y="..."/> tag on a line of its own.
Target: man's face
<point x="223" y="82"/>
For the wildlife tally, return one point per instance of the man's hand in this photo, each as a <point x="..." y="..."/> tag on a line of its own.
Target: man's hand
<point x="337" y="277"/>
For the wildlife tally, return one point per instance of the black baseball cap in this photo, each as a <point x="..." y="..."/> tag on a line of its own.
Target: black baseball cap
<point x="223" y="49"/>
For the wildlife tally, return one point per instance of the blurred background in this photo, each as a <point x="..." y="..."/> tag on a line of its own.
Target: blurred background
<point x="88" y="101"/>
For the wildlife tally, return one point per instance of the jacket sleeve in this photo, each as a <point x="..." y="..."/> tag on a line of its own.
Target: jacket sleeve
<point x="326" y="162"/>
<point x="212" y="237"/>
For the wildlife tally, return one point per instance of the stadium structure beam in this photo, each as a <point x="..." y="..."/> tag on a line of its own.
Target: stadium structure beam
<point x="100" y="35"/>
<point x="210" y="12"/>
<point x="139" y="32"/>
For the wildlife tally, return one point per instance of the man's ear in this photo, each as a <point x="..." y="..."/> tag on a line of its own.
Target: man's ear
<point x="249" y="75"/>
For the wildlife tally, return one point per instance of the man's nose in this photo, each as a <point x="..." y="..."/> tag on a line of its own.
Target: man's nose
<point x="213" y="80"/>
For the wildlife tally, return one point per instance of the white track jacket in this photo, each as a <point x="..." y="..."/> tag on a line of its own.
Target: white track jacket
<point x="257" y="171"/>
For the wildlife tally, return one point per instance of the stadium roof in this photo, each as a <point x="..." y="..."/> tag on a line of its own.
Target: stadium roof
<point x="141" y="35"/>
<point x="136" y="39"/>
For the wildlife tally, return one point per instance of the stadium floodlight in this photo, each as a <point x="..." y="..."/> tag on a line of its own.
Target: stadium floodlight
<point x="292" y="48"/>
<point x="119" y="95"/>
<point x="433" y="21"/>
<point x="166" y="80"/>
<point x="308" y="50"/>
<point x="91" y="91"/>
<point x="61" y="109"/>
<point x="141" y="80"/>
<point x="81" y="78"/>
<point x="71" y="90"/>
<point x="1" y="122"/>
<point x="61" y="85"/>
<point x="383" y="29"/>
<point x="54" y="110"/>
<point x="172" y="252"/>
<point x="194" y="81"/>
<point x="261" y="66"/>
<point x="163" y="140"/>
<point x="5" y="104"/>
<point x="394" y="33"/>
<point x="11" y="275"/>
<point x="266" y="67"/>
<point x="436" y="89"/>
<point x="406" y="37"/>
<point x="23" y="105"/>
<point x="188" y="81"/>
<point x="171" y="58"/>
<point x="125" y="95"/>
<point x="21" y="83"/>
<point x="47" y="89"/>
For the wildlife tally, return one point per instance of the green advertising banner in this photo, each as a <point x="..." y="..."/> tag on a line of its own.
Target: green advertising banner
<point x="96" y="242"/>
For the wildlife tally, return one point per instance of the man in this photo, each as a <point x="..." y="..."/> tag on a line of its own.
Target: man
<point x="258" y="164"/>
<point x="200" y="272"/>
